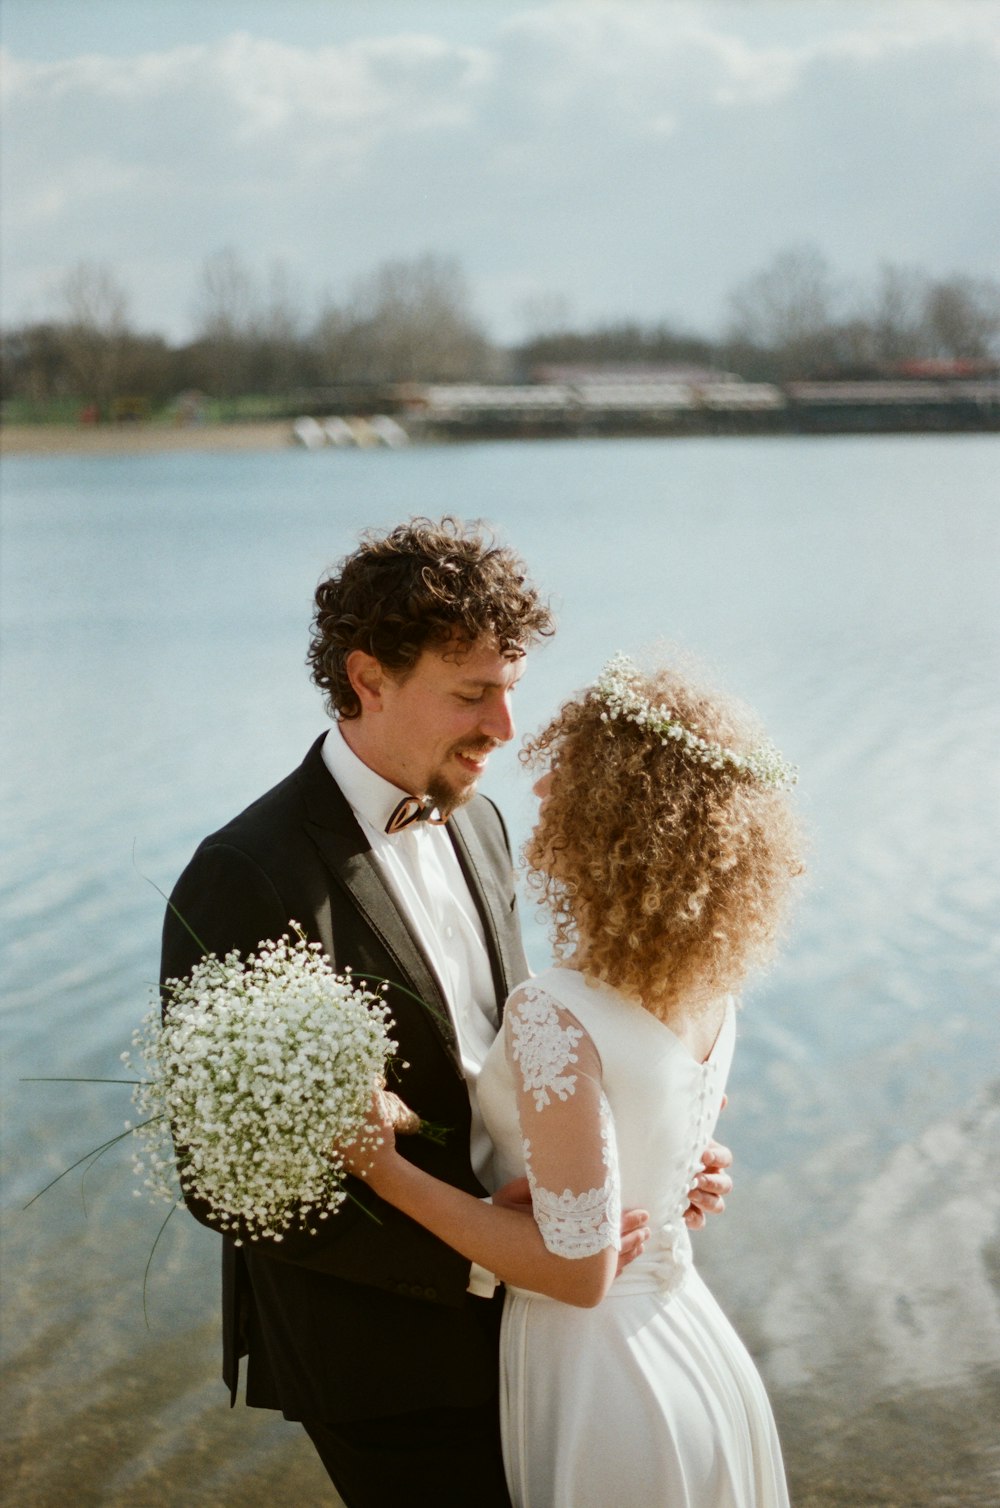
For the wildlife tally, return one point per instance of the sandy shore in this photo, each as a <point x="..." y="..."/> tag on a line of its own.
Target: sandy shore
<point x="139" y="439"/>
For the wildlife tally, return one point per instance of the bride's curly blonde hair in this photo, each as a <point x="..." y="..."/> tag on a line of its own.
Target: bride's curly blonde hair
<point x="668" y="875"/>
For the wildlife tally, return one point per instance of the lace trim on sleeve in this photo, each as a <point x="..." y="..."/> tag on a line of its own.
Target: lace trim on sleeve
<point x="581" y="1225"/>
<point x="543" y="1046"/>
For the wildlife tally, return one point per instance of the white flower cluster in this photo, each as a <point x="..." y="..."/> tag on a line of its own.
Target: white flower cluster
<point x="258" y="1069"/>
<point x="618" y="687"/>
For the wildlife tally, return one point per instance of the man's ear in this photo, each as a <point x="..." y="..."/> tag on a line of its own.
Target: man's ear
<point x="367" y="676"/>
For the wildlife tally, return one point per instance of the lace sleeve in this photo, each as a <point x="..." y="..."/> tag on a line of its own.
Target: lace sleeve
<point x="566" y="1126"/>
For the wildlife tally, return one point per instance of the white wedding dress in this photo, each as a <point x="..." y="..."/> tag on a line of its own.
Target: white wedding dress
<point x="651" y="1397"/>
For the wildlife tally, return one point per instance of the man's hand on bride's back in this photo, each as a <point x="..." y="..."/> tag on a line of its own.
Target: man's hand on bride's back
<point x="515" y="1195"/>
<point x="634" y="1235"/>
<point x="710" y="1187"/>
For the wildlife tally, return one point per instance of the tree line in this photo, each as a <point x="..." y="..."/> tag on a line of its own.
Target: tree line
<point x="413" y="321"/>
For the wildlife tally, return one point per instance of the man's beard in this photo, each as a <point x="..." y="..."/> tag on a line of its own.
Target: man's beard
<point x="444" y="795"/>
<point x="448" y="800"/>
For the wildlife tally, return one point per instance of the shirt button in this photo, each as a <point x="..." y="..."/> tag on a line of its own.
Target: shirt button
<point x="449" y="932"/>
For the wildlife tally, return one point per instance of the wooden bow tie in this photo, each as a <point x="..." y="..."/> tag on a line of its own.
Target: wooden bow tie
<point x="411" y="809"/>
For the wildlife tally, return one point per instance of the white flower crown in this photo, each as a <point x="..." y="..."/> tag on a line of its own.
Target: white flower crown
<point x="617" y="686"/>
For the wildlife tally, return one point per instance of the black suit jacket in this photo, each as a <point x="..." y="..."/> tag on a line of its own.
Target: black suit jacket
<point x="369" y="1316"/>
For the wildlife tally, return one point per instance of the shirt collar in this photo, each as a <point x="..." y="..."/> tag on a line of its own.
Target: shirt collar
<point x="369" y="795"/>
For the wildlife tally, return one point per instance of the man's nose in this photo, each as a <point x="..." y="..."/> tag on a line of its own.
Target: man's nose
<point x="498" y="720"/>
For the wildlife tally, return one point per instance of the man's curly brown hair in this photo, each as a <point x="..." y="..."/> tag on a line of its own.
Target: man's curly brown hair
<point x="421" y="585"/>
<point x="668" y="878"/>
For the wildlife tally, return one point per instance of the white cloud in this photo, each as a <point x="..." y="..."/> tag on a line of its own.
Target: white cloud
<point x="85" y="184"/>
<point x="368" y="87"/>
<point x="256" y="89"/>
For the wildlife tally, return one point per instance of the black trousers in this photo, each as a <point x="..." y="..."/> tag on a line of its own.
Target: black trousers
<point x="446" y="1457"/>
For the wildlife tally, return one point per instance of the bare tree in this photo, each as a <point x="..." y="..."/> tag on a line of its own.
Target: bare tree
<point x="277" y="355"/>
<point x="33" y="364"/>
<point x="341" y="345"/>
<point x="407" y="321"/>
<point x="226" y="297"/>
<point x="225" y="309"/>
<point x="96" y="330"/>
<point x="787" y="310"/>
<point x="890" y="320"/>
<point x="962" y="317"/>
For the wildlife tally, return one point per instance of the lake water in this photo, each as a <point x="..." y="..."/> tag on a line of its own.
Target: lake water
<point x="155" y="616"/>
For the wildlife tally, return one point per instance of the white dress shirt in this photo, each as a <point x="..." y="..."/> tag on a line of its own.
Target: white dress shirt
<point x="422" y="871"/>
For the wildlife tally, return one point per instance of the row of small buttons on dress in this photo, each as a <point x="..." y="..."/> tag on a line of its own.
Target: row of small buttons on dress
<point x="708" y="1106"/>
<point x="674" y="1234"/>
<point x="673" y="1260"/>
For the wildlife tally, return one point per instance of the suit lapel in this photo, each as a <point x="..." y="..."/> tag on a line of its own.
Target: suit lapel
<point x="493" y="906"/>
<point x="360" y="875"/>
<point x="344" y="848"/>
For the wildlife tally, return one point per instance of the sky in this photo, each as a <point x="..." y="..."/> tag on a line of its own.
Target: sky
<point x="584" y="161"/>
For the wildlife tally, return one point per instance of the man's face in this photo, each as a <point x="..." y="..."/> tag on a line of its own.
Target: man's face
<point x="431" y="731"/>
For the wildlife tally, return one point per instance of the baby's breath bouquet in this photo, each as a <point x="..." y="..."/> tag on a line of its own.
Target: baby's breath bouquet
<point x="256" y="1070"/>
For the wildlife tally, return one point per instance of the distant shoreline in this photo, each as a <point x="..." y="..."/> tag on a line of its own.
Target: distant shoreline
<point x="142" y="439"/>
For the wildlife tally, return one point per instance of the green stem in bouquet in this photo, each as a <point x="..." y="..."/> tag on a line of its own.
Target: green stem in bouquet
<point x="165" y="897"/>
<point x="395" y="985"/>
<point x="149" y="1263"/>
<point x="94" y="1153"/>
<point x="48" y="1079"/>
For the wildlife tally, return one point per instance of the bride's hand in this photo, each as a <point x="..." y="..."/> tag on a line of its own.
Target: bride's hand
<point x="388" y="1117"/>
<point x="405" y="1122"/>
